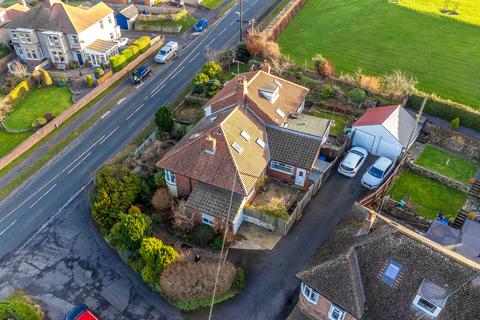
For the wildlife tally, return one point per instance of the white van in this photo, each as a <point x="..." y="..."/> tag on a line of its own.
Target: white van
<point x="168" y="51"/>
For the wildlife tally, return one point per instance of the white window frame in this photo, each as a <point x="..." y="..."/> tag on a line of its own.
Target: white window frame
<point x="170" y="178"/>
<point x="28" y="37"/>
<point x="334" y="308"/>
<point x="309" y="294"/>
<point x="14" y="35"/>
<point x="261" y="143"/>
<point x="276" y="166"/>
<point x="433" y="313"/>
<point x="54" y="40"/>
<point x="109" y="19"/>
<point x="101" y="24"/>
<point x="208" y="220"/>
<point x="74" y="39"/>
<point x="58" y="56"/>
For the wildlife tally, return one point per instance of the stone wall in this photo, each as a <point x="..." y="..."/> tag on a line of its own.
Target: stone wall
<point x="281" y="21"/>
<point x="5" y="60"/>
<point x="438" y="177"/>
<point x="52" y="125"/>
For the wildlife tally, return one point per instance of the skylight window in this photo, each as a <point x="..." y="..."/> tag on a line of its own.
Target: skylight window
<point x="280" y="113"/>
<point x="245" y="135"/>
<point x="391" y="273"/>
<point x="237" y="147"/>
<point x="261" y="143"/>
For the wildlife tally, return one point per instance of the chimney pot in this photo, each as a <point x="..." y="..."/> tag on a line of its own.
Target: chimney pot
<point x="241" y="90"/>
<point x="211" y="145"/>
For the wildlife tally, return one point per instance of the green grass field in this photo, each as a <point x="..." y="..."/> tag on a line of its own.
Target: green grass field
<point x="427" y="195"/>
<point x="447" y="163"/>
<point x="380" y="37"/>
<point x="8" y="141"/>
<point x="36" y="103"/>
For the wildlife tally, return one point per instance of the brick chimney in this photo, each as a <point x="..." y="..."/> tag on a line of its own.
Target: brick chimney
<point x="241" y="89"/>
<point x="22" y="2"/>
<point x="265" y="66"/>
<point x="368" y="223"/>
<point x="211" y="147"/>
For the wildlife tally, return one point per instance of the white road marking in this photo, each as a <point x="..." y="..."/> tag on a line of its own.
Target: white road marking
<point x="156" y="91"/>
<point x="109" y="135"/>
<point x="9" y="226"/>
<point x="131" y="115"/>
<point x="141" y="84"/>
<point x="38" y="200"/>
<point x="222" y="32"/>
<point x="208" y="45"/>
<point x="105" y="114"/>
<point x="121" y="100"/>
<point x="176" y="74"/>
<point x="78" y="163"/>
<point x="195" y="56"/>
<point x="233" y="21"/>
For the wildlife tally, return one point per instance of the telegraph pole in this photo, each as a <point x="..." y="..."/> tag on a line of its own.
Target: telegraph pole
<point x="240" y="2"/>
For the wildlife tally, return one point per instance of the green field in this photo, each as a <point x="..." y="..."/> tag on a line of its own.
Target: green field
<point x="36" y="103"/>
<point x="447" y="163"/>
<point x="380" y="37"/>
<point x="427" y="195"/>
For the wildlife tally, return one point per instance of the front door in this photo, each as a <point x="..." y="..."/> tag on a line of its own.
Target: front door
<point x="80" y="59"/>
<point x="300" y="177"/>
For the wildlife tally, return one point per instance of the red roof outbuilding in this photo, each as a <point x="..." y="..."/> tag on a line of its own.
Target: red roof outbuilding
<point x="375" y="116"/>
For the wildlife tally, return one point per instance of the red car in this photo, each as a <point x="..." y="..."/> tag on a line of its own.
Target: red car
<point x="81" y="312"/>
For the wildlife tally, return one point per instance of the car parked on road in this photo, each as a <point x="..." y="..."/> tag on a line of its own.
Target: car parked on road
<point x="140" y="74"/>
<point x="81" y="312"/>
<point x="377" y="173"/>
<point x="201" y="25"/>
<point x="352" y="162"/>
<point x="168" y="51"/>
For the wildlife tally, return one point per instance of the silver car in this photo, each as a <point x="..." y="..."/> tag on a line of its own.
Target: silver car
<point x="377" y="173"/>
<point x="352" y="162"/>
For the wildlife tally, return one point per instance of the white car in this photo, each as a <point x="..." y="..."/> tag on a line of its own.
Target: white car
<point x="352" y="162"/>
<point x="122" y="42"/>
<point x="377" y="173"/>
<point x="167" y="52"/>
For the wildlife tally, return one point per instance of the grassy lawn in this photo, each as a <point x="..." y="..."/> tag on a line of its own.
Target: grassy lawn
<point x="211" y="4"/>
<point x="36" y="103"/>
<point x="381" y="37"/>
<point x="340" y="121"/>
<point x="8" y="141"/>
<point x="185" y="21"/>
<point x="447" y="163"/>
<point x="468" y="10"/>
<point x="429" y="196"/>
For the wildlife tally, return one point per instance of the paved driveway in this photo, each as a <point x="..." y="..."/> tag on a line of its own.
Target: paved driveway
<point x="68" y="263"/>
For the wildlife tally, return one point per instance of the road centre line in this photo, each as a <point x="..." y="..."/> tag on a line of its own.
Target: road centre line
<point x="135" y="111"/>
<point x="222" y="31"/>
<point x="38" y="200"/>
<point x="109" y="135"/>
<point x="8" y="227"/>
<point x="78" y="163"/>
<point x="176" y="74"/>
<point x="194" y="57"/>
<point x="121" y="100"/>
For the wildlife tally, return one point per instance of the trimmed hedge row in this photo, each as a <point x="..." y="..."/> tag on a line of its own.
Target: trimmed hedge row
<point x="18" y="92"/>
<point x="446" y="110"/>
<point x="119" y="61"/>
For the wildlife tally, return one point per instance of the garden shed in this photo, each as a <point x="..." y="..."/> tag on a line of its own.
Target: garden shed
<point x="127" y="17"/>
<point x="385" y="131"/>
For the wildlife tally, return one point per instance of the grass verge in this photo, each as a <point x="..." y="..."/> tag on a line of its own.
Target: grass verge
<point x="211" y="4"/>
<point x="447" y="164"/>
<point x="427" y="195"/>
<point x="268" y="18"/>
<point x="185" y="21"/>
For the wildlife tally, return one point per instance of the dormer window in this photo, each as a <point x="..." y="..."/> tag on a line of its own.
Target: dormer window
<point x="170" y="177"/>
<point x="245" y="135"/>
<point x="261" y="143"/>
<point x="430" y="299"/>
<point x="237" y="147"/>
<point x="271" y="93"/>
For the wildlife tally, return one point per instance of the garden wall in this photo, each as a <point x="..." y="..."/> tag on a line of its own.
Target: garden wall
<point x="156" y="43"/>
<point x="149" y="9"/>
<point x="438" y="177"/>
<point x="281" y="21"/>
<point x="5" y="60"/>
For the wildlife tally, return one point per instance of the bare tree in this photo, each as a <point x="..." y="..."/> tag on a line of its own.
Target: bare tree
<point x="271" y="50"/>
<point x="181" y="222"/>
<point x="18" y="70"/>
<point x="256" y="41"/>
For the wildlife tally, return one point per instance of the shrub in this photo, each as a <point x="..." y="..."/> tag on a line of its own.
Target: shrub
<point x="19" y="306"/>
<point x="156" y="218"/>
<point x="18" y="92"/>
<point x="134" y="210"/>
<point x="200" y="78"/>
<point x="47" y="80"/>
<point x="255" y="42"/>
<point x="242" y="54"/>
<point x="89" y="80"/>
<point x="202" y="235"/>
<point x="213" y="86"/>
<point x="119" y="61"/>
<point x="159" y="179"/>
<point x="145" y="194"/>
<point x="327" y="91"/>
<point x="371" y="83"/>
<point x="211" y="69"/>
<point x="48" y="116"/>
<point x="198" y="88"/>
<point x="398" y="83"/>
<point x="455" y="123"/>
<point x="239" y="281"/>
<point x="98" y="73"/>
<point x="39" y="122"/>
<point x="73" y="64"/>
<point x="61" y="82"/>
<point x="164" y="120"/>
<point x="217" y="243"/>
<point x="181" y="222"/>
<point x="271" y="51"/>
<point x="179" y="130"/>
<point x="128" y="232"/>
<point x="323" y="66"/>
<point x="136" y="263"/>
<point x="161" y="199"/>
<point x="157" y="257"/>
<point x="357" y="95"/>
<point x="446" y="110"/>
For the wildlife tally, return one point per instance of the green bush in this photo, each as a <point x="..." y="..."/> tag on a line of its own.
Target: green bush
<point x="357" y="95"/>
<point x="201" y="78"/>
<point x="98" y="73"/>
<point x="127" y="234"/>
<point x="217" y="243"/>
<point x="213" y="86"/>
<point x="89" y="80"/>
<point x="156" y="218"/>
<point x="18" y="92"/>
<point x="119" y="61"/>
<point x="146" y="192"/>
<point x="198" y="88"/>
<point x="39" y="122"/>
<point x="202" y="235"/>
<point x="455" y="123"/>
<point x="239" y="281"/>
<point x="136" y="263"/>
<point x="164" y="120"/>
<point x="242" y="54"/>
<point x="159" y="179"/>
<point x="446" y="110"/>
<point x="19" y="306"/>
<point x="61" y="82"/>
<point x="211" y="69"/>
<point x="157" y="257"/>
<point x="327" y="92"/>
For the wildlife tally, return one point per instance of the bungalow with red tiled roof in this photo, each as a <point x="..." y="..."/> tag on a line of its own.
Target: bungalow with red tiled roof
<point x="241" y="139"/>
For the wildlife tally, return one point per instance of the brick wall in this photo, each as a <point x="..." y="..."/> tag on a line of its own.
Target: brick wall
<point x="285" y="177"/>
<point x="184" y="185"/>
<point x="319" y="310"/>
<point x="52" y="125"/>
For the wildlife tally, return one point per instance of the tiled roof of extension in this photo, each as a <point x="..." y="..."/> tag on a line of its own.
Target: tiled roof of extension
<point x="332" y="272"/>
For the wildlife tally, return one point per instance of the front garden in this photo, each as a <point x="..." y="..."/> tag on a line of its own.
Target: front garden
<point x="179" y="22"/>
<point x="339" y="120"/>
<point x="19" y="306"/>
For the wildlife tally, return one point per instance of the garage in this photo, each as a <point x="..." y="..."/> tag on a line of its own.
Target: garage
<point x="385" y="131"/>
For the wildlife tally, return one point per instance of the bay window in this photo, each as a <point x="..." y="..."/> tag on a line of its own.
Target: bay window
<point x="170" y="177"/>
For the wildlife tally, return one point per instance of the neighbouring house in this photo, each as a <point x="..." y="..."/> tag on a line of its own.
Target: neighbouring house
<point x="239" y="141"/>
<point x="63" y="33"/>
<point x="371" y="268"/>
<point x="385" y="131"/>
<point x="137" y="2"/>
<point x="126" y="17"/>
<point x="9" y="14"/>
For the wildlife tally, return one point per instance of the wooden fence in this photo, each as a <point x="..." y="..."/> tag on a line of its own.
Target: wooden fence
<point x="369" y="200"/>
<point x="156" y="43"/>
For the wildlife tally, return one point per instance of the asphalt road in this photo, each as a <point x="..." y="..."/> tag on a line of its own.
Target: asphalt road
<point x="40" y="199"/>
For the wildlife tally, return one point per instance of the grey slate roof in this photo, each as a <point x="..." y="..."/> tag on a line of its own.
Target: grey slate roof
<point x="330" y="272"/>
<point x="292" y="148"/>
<point x="213" y="201"/>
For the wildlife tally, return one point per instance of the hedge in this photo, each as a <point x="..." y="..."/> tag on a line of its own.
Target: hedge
<point x="446" y="110"/>
<point x="119" y="61"/>
<point x="18" y="92"/>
